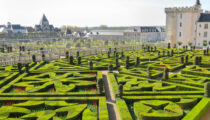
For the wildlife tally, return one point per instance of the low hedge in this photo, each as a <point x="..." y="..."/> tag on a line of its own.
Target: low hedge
<point x="113" y="82"/>
<point x="103" y="111"/>
<point x="199" y="110"/>
<point x="123" y="109"/>
<point x="163" y="110"/>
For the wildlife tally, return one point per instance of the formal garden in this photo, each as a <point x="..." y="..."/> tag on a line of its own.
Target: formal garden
<point x="152" y="83"/>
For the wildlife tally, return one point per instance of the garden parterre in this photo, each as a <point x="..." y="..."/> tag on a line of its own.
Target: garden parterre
<point x="71" y="88"/>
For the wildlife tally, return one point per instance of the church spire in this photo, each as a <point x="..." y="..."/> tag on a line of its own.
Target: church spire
<point x="198" y="2"/>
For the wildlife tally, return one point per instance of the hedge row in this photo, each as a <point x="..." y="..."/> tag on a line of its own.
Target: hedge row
<point x="123" y="109"/>
<point x="113" y="82"/>
<point x="199" y="110"/>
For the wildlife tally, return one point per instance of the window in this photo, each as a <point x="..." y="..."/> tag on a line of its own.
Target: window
<point x="206" y="26"/>
<point x="180" y="34"/>
<point x="205" y="34"/>
<point x="180" y="24"/>
<point x="200" y="25"/>
<point x="199" y="34"/>
<point x="181" y="16"/>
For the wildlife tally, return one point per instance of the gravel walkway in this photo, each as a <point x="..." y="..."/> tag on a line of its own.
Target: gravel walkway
<point x="206" y="116"/>
<point x="110" y="99"/>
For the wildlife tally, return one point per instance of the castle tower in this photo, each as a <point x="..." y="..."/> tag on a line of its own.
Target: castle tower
<point x="44" y="21"/>
<point x="181" y="24"/>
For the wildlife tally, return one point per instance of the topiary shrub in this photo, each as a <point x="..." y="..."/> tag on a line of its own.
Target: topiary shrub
<point x="34" y="58"/>
<point x="149" y="74"/>
<point x="117" y="62"/>
<point x="163" y="52"/>
<point x="159" y="54"/>
<point x="127" y="63"/>
<point x="43" y="57"/>
<point x="67" y="54"/>
<point x="77" y="54"/>
<point x="182" y="59"/>
<point x="120" y="90"/>
<point x="71" y="60"/>
<point x="196" y="61"/>
<point x="186" y="59"/>
<point x="110" y="50"/>
<point x="165" y="74"/>
<point x="169" y="45"/>
<point x="151" y="49"/>
<point x="110" y="68"/>
<point x="207" y="89"/>
<point x="27" y="68"/>
<point x="19" y="67"/>
<point x="122" y="54"/>
<point x="204" y="52"/>
<point x="137" y="61"/>
<point x="116" y="55"/>
<point x="109" y="54"/>
<point x="168" y="53"/>
<point x="100" y="86"/>
<point x="79" y="60"/>
<point x="148" y="48"/>
<point x="91" y="65"/>
<point x="172" y="52"/>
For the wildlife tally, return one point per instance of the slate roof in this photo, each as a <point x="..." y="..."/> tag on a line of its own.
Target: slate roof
<point x="205" y="17"/>
<point x="149" y="29"/>
<point x="43" y="20"/>
<point x="17" y="27"/>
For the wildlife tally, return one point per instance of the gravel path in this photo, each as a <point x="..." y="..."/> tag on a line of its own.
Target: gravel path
<point x="206" y="116"/>
<point x="110" y="99"/>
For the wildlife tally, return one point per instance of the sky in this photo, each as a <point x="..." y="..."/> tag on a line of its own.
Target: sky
<point x="90" y="12"/>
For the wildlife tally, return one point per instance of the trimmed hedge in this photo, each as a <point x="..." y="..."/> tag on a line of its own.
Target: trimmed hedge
<point x="123" y="109"/>
<point x="199" y="110"/>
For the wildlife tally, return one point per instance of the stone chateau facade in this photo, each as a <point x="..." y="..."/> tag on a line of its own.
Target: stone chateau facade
<point x="188" y="25"/>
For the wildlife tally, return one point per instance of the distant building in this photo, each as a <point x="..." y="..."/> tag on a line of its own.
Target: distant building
<point x="141" y="34"/>
<point x="16" y="28"/>
<point x="44" y="25"/>
<point x="187" y="24"/>
<point x="29" y="30"/>
<point x="3" y="30"/>
<point x="203" y="30"/>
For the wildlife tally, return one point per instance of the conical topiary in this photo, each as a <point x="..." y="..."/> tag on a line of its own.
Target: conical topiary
<point x="165" y="74"/>
<point x="67" y="54"/>
<point x="182" y="59"/>
<point x="79" y="60"/>
<point x="120" y="90"/>
<point x="186" y="59"/>
<point x="71" y="60"/>
<point x="137" y="61"/>
<point x="19" y="67"/>
<point x="110" y="68"/>
<point x="149" y="74"/>
<point x="27" y="68"/>
<point x="91" y="65"/>
<point x="34" y="58"/>
<point x="100" y="86"/>
<point x="117" y="62"/>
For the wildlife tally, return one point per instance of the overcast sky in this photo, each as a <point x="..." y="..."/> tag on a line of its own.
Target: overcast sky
<point x="90" y="12"/>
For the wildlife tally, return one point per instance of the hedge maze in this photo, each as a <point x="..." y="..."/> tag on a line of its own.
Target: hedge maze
<point x="150" y="83"/>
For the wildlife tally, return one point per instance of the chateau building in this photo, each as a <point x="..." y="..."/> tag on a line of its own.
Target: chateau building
<point x="187" y="25"/>
<point x="44" y="25"/>
<point x="138" y="33"/>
